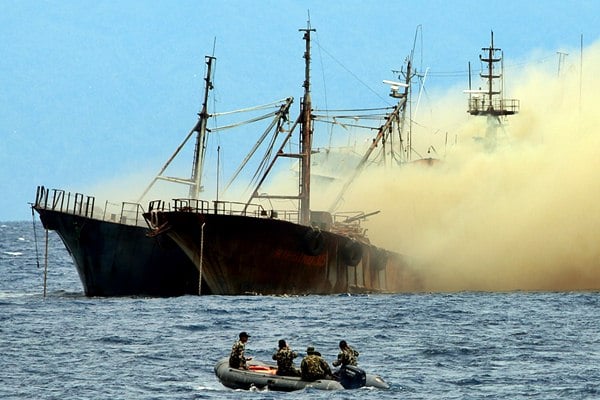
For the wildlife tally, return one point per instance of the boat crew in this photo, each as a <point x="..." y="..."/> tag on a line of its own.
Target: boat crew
<point x="347" y="355"/>
<point x="237" y="359"/>
<point x="285" y="360"/>
<point x="314" y="367"/>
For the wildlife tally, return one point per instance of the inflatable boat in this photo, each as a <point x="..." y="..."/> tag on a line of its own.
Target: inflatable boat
<point x="263" y="375"/>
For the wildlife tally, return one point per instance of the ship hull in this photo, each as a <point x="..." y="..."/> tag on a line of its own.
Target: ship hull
<point x="250" y="255"/>
<point x="115" y="259"/>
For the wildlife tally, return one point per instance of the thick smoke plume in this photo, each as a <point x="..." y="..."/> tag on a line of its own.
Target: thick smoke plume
<point x="523" y="217"/>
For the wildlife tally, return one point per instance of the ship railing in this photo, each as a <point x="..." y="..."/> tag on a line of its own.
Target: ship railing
<point x="127" y="213"/>
<point x="252" y="210"/>
<point x="238" y="208"/>
<point x="287" y="215"/>
<point x="347" y="221"/>
<point x="67" y="202"/>
<point x="222" y="207"/>
<point x="85" y="206"/>
<point x="191" y="205"/>
<point x="483" y="106"/>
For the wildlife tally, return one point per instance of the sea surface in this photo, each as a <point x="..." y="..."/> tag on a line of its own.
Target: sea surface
<point x="426" y="346"/>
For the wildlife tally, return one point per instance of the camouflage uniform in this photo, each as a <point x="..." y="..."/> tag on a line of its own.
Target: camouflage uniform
<point x="285" y="362"/>
<point x="314" y="367"/>
<point x="236" y="358"/>
<point x="348" y="356"/>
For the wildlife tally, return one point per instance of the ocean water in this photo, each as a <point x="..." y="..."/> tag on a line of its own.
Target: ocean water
<point x="426" y="346"/>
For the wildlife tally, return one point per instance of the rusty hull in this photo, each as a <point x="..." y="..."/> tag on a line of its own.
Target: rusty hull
<point x="252" y="255"/>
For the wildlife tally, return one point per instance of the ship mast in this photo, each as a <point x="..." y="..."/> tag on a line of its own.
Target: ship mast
<point x="305" y="121"/>
<point x="397" y="115"/>
<point x="306" y="135"/>
<point x="200" y="148"/>
<point x="489" y="102"/>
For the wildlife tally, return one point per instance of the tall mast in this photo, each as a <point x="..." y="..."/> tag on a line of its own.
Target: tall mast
<point x="305" y="120"/>
<point x="490" y="102"/>
<point x="200" y="149"/>
<point x="397" y="115"/>
<point x="306" y="135"/>
<point x="404" y="96"/>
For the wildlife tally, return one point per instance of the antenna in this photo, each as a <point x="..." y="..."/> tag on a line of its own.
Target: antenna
<point x="580" y="69"/>
<point x="489" y="102"/>
<point x="394" y="87"/>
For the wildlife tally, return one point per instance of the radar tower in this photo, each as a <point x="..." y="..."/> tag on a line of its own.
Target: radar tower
<point x="489" y="101"/>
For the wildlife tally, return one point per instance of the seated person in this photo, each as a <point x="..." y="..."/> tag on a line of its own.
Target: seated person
<point x="285" y="360"/>
<point x="347" y="355"/>
<point x="313" y="367"/>
<point x="237" y="359"/>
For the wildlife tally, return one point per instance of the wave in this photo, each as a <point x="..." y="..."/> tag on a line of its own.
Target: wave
<point x="13" y="253"/>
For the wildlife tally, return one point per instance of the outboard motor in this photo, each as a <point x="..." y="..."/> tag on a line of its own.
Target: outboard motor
<point x="352" y="377"/>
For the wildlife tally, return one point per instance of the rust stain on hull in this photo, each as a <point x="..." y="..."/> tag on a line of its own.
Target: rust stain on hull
<point x="241" y="255"/>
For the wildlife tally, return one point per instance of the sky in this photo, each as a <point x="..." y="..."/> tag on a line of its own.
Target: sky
<point x="95" y="96"/>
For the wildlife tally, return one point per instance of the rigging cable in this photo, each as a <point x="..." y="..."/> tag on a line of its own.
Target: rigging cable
<point x="352" y="73"/>
<point x="462" y="73"/>
<point x="249" y="121"/>
<point x="254" y="108"/>
<point x="37" y="257"/>
<point x="324" y="86"/>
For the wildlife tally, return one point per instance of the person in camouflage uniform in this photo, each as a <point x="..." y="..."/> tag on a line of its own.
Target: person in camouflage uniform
<point x="313" y="367"/>
<point x="237" y="359"/>
<point x="347" y="355"/>
<point x="285" y="360"/>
